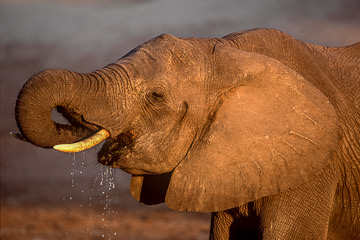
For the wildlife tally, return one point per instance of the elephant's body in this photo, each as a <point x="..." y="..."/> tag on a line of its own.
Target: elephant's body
<point x="336" y="72"/>
<point x="257" y="127"/>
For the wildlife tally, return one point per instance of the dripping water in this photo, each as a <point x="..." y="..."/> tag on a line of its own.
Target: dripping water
<point x="94" y="199"/>
<point x="73" y="172"/>
<point x="105" y="184"/>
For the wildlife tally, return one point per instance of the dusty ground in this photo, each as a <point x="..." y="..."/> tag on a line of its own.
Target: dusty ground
<point x="46" y="194"/>
<point x="76" y="224"/>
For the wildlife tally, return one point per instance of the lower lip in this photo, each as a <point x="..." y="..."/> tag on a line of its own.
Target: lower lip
<point x="134" y="171"/>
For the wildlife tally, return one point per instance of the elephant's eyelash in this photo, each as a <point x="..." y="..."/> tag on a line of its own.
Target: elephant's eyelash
<point x="155" y="97"/>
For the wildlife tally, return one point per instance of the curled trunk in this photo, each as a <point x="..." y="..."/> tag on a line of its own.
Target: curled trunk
<point x="79" y="97"/>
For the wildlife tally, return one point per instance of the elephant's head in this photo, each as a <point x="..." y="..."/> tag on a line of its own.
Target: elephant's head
<point x="217" y="126"/>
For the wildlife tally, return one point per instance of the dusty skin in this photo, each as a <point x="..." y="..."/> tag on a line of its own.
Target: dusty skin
<point x="31" y="191"/>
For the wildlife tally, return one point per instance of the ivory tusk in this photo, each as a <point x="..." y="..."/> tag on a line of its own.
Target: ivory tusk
<point x="85" y="144"/>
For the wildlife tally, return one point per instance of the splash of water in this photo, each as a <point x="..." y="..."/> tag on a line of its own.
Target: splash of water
<point x="102" y="189"/>
<point x="100" y="195"/>
<point x="73" y="172"/>
<point x="107" y="184"/>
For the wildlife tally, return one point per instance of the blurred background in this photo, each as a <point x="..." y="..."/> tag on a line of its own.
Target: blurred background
<point x="51" y="195"/>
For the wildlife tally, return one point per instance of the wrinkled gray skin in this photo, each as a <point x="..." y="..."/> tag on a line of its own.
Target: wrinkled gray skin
<point x="257" y="127"/>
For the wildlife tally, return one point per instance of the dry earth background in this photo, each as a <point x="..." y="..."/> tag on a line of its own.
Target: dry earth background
<point x="51" y="195"/>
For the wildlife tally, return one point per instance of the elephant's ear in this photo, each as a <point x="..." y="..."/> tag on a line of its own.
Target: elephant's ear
<point x="268" y="134"/>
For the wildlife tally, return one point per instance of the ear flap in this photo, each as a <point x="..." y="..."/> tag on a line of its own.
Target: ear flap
<point x="270" y="133"/>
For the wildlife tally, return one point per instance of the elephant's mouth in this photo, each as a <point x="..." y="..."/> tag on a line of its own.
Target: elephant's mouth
<point x="116" y="149"/>
<point x="112" y="153"/>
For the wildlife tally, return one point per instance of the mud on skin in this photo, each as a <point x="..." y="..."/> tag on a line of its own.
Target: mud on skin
<point x="117" y="148"/>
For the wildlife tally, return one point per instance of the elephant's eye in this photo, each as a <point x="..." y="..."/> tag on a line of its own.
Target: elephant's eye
<point x="156" y="96"/>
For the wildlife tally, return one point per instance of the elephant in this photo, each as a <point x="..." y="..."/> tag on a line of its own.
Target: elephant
<point x="256" y="127"/>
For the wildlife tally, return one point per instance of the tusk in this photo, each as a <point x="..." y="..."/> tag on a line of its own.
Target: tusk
<point x="18" y="136"/>
<point x="85" y="144"/>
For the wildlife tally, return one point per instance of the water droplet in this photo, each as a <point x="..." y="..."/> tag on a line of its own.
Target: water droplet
<point x="103" y="184"/>
<point x="70" y="198"/>
<point x="114" y="233"/>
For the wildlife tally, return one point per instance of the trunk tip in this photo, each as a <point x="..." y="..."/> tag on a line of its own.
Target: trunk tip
<point x="18" y="136"/>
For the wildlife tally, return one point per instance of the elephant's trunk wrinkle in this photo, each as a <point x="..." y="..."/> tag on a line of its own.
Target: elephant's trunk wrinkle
<point x="62" y="90"/>
<point x="123" y="82"/>
<point x="105" y="74"/>
<point x="122" y="74"/>
<point x="75" y="119"/>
